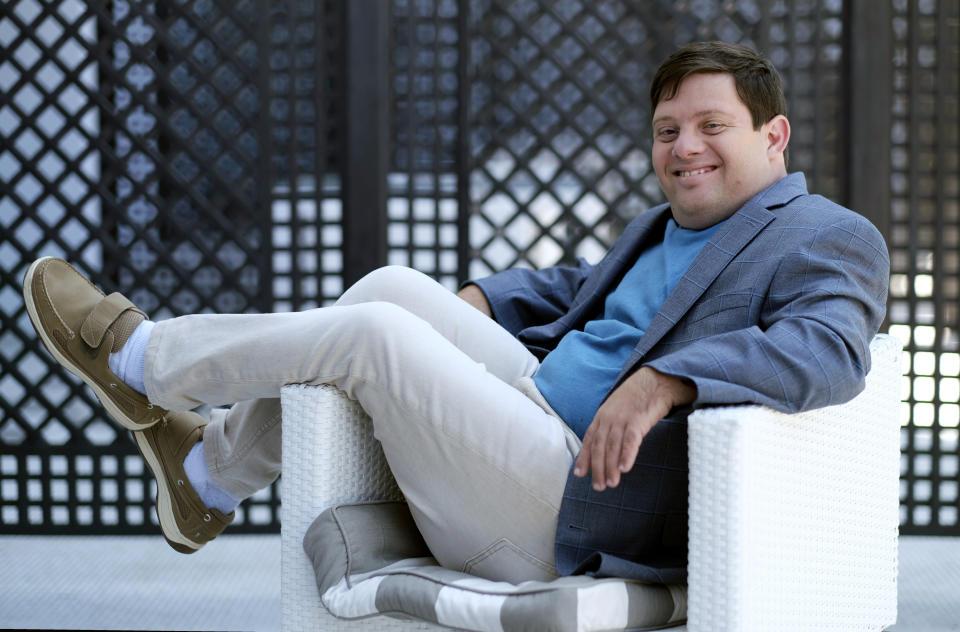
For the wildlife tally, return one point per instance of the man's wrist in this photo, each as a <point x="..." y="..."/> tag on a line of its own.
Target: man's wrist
<point x="473" y="295"/>
<point x="677" y="391"/>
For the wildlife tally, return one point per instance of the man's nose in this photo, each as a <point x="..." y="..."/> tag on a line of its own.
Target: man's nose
<point x="687" y="144"/>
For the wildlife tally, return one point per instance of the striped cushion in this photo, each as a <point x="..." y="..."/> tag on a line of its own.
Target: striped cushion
<point x="369" y="559"/>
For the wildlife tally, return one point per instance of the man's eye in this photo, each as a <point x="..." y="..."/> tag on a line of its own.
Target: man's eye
<point x="666" y="134"/>
<point x="714" y="127"/>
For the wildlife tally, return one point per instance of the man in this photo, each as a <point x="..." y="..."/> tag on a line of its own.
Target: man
<point x="742" y="288"/>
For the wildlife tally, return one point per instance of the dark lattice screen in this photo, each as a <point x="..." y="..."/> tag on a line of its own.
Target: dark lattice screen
<point x="925" y="247"/>
<point x="193" y="154"/>
<point x="423" y="185"/>
<point x="559" y="113"/>
<point x="557" y="128"/>
<point x="806" y="41"/>
<point x="181" y="152"/>
<point x="302" y="74"/>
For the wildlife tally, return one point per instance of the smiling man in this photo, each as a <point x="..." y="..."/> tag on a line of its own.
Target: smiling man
<point x="710" y="153"/>
<point x="543" y="432"/>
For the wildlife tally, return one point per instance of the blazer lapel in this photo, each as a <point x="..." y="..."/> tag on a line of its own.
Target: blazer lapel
<point x="738" y="231"/>
<point x="621" y="258"/>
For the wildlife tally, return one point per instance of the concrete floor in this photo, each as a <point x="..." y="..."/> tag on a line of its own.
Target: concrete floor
<point x="140" y="583"/>
<point x="929" y="585"/>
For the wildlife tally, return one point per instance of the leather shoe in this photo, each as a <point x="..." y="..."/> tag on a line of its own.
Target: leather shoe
<point x="81" y="327"/>
<point x="187" y="523"/>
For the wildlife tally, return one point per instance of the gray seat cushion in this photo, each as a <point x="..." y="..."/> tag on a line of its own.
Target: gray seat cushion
<point x="369" y="559"/>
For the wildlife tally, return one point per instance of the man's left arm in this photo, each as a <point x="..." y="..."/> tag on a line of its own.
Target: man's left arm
<point x="519" y="297"/>
<point x="809" y="349"/>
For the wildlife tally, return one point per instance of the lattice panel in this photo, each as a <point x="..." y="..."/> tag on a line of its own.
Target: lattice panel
<point x="135" y="144"/>
<point x="189" y="201"/>
<point x="559" y="113"/>
<point x="805" y="41"/>
<point x="423" y="184"/>
<point x="557" y="98"/>
<point x="304" y="88"/>
<point x="186" y="152"/>
<point x="925" y="256"/>
<point x="306" y="242"/>
<point x="109" y="491"/>
<point x="51" y="122"/>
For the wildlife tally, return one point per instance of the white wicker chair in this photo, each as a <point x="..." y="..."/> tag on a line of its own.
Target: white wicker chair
<point x="793" y="518"/>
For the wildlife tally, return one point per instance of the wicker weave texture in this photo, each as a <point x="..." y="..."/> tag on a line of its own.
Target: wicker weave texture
<point x="329" y="456"/>
<point x="794" y="518"/>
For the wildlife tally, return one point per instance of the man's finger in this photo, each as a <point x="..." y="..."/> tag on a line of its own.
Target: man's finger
<point x="582" y="467"/>
<point x="612" y="457"/>
<point x="598" y="461"/>
<point x="629" y="448"/>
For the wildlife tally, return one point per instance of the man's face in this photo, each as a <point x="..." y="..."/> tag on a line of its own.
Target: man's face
<point x="707" y="156"/>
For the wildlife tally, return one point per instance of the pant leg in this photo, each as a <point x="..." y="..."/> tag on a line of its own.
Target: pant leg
<point x="477" y="335"/>
<point x="482" y="466"/>
<point x="243" y="445"/>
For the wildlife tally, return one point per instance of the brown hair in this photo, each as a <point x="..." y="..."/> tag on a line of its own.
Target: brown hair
<point x="757" y="80"/>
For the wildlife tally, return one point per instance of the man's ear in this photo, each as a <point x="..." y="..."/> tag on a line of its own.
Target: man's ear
<point x="777" y="134"/>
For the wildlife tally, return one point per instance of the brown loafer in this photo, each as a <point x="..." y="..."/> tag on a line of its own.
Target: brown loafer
<point x="187" y="523"/>
<point x="81" y="327"/>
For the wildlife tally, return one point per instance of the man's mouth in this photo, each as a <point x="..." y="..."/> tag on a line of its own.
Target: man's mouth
<point x="693" y="172"/>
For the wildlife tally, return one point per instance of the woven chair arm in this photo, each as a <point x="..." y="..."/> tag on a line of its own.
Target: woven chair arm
<point x="794" y="518"/>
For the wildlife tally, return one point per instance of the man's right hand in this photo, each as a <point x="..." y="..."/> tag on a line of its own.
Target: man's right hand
<point x="612" y="441"/>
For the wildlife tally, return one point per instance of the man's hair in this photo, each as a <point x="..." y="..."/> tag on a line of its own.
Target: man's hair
<point x="757" y="80"/>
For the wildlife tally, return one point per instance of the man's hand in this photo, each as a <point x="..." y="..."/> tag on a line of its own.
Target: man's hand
<point x="613" y="439"/>
<point x="475" y="296"/>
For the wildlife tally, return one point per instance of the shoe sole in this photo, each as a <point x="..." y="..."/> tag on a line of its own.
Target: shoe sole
<point x="168" y="522"/>
<point x="101" y="394"/>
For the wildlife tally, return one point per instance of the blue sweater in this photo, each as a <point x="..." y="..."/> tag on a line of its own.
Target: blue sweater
<point x="575" y="377"/>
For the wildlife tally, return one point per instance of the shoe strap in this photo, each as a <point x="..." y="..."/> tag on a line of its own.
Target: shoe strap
<point x="103" y="315"/>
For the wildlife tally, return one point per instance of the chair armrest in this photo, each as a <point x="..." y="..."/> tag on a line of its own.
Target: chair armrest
<point x="330" y="456"/>
<point x="794" y="518"/>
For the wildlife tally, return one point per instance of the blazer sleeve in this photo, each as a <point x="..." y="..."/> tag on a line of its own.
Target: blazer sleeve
<point x="810" y="347"/>
<point x="521" y="298"/>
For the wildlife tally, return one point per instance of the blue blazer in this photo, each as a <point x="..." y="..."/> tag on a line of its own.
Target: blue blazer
<point x="777" y="309"/>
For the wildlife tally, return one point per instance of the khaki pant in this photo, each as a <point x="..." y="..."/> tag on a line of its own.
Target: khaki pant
<point x="482" y="465"/>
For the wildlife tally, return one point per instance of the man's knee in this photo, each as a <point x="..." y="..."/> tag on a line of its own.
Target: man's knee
<point x="389" y="283"/>
<point x="378" y="321"/>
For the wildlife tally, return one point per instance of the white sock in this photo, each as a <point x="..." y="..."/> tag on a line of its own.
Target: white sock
<point x="210" y="493"/>
<point x="127" y="364"/>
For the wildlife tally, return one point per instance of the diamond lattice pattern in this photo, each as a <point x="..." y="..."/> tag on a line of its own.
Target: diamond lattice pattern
<point x="559" y="120"/>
